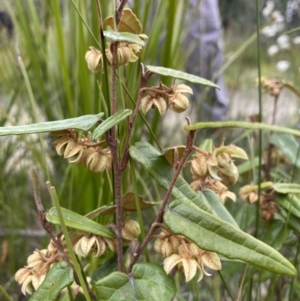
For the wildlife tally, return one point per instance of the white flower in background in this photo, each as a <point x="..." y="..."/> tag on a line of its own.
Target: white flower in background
<point x="278" y="16"/>
<point x="269" y="31"/>
<point x="296" y="40"/>
<point x="283" y="65"/>
<point x="273" y="50"/>
<point x="283" y="41"/>
<point x="268" y="8"/>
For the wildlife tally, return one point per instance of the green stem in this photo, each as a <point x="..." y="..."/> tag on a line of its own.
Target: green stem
<point x="2" y="290"/>
<point x="35" y="113"/>
<point x="75" y="263"/>
<point x="243" y="125"/>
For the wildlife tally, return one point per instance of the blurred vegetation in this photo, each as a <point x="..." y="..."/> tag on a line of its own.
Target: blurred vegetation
<point x="51" y="38"/>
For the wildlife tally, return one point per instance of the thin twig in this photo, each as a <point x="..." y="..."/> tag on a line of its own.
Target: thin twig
<point x="144" y="80"/>
<point x="159" y="217"/>
<point x="119" y="10"/>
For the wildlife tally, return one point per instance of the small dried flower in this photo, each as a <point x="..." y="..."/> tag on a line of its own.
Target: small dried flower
<point x="84" y="245"/>
<point x="190" y="259"/>
<point x="152" y="101"/>
<point x="126" y="53"/>
<point x="131" y="230"/>
<point x="93" y="57"/>
<point x="176" y="100"/>
<point x="249" y="193"/>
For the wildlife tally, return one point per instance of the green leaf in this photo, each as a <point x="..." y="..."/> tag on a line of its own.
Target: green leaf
<point x="108" y="267"/>
<point x="286" y="188"/>
<point x="290" y="202"/>
<point x="181" y="75"/>
<point x="79" y="222"/>
<point x="288" y="145"/>
<point x="110" y="122"/>
<point x="217" y="207"/>
<point x="128" y="204"/>
<point x="146" y="282"/>
<point x="81" y="123"/>
<point x="59" y="277"/>
<point x="212" y="234"/>
<point x="276" y="234"/>
<point x="241" y="124"/>
<point x="123" y="37"/>
<point x="162" y="172"/>
<point x="292" y="221"/>
<point x="248" y="165"/>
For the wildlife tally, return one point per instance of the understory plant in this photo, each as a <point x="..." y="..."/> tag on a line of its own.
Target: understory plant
<point x="117" y="251"/>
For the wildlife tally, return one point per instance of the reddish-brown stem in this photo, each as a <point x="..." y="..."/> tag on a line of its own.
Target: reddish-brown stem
<point x="113" y="144"/>
<point x="119" y="10"/>
<point x="159" y="217"/>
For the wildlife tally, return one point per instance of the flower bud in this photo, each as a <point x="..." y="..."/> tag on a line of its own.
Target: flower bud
<point x="131" y="230"/>
<point x="96" y="161"/>
<point x="199" y="167"/>
<point x="178" y="103"/>
<point x="93" y="57"/>
<point x="35" y="260"/>
<point x="149" y="102"/>
<point x="163" y="247"/>
<point x="61" y="144"/>
<point x="22" y="274"/>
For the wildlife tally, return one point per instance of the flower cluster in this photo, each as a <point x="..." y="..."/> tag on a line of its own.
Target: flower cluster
<point x="163" y="98"/>
<point x="85" y="243"/>
<point x="272" y="86"/>
<point x="82" y="150"/>
<point x="38" y="265"/>
<point x="267" y="202"/>
<point x="185" y="255"/>
<point x="216" y="170"/>
<point x="40" y="262"/>
<point x="126" y="53"/>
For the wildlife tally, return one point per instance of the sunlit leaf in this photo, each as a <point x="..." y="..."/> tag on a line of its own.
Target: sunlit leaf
<point x="215" y="235"/>
<point x="128" y="22"/>
<point x="123" y="37"/>
<point x="79" y="222"/>
<point x="146" y="282"/>
<point x="59" y="277"/>
<point x="181" y="75"/>
<point x="81" y="123"/>
<point x="110" y="122"/>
